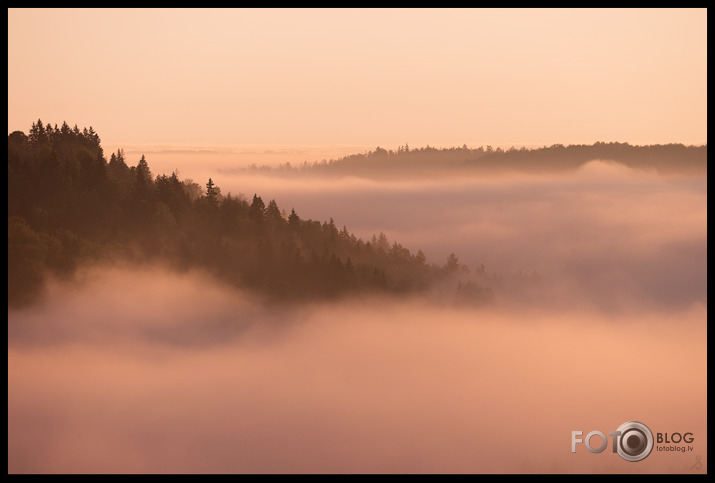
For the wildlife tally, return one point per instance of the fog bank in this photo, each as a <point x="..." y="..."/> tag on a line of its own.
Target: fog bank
<point x="605" y="235"/>
<point x="146" y="370"/>
<point x="599" y="317"/>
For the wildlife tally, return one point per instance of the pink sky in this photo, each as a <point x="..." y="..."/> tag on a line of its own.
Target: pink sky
<point x="350" y="78"/>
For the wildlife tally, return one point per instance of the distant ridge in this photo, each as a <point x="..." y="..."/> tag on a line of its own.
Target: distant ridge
<point x="663" y="158"/>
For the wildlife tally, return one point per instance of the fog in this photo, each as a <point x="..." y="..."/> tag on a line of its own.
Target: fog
<point x="599" y="318"/>
<point x="604" y="235"/>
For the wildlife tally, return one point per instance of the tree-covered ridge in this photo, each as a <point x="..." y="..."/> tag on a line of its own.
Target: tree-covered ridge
<point x="664" y="158"/>
<point x="68" y="205"/>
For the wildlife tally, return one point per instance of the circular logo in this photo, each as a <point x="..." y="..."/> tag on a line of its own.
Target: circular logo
<point x="635" y="441"/>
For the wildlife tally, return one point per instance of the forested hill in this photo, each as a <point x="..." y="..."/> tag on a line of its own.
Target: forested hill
<point x="663" y="158"/>
<point x="69" y="206"/>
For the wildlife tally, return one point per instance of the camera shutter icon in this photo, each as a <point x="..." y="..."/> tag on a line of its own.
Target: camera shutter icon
<point x="635" y="441"/>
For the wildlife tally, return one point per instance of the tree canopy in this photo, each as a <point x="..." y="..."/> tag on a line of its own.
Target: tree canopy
<point x="68" y="206"/>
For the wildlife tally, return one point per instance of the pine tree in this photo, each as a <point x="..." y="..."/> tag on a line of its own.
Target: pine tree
<point x="143" y="173"/>
<point x="211" y="193"/>
<point x="257" y="210"/>
<point x="293" y="219"/>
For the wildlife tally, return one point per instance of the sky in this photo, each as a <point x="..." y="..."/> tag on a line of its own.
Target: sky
<point x="341" y="80"/>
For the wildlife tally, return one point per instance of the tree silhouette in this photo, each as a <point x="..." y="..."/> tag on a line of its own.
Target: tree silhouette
<point x="68" y="206"/>
<point x="257" y="210"/>
<point x="293" y="219"/>
<point x="452" y="264"/>
<point x="211" y="193"/>
<point x="142" y="172"/>
<point x="273" y="213"/>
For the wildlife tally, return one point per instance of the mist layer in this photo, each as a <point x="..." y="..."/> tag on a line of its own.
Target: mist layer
<point x="198" y="378"/>
<point x="599" y="318"/>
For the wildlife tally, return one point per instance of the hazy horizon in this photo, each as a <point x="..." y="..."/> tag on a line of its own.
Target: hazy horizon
<point x="362" y="77"/>
<point x="228" y="156"/>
